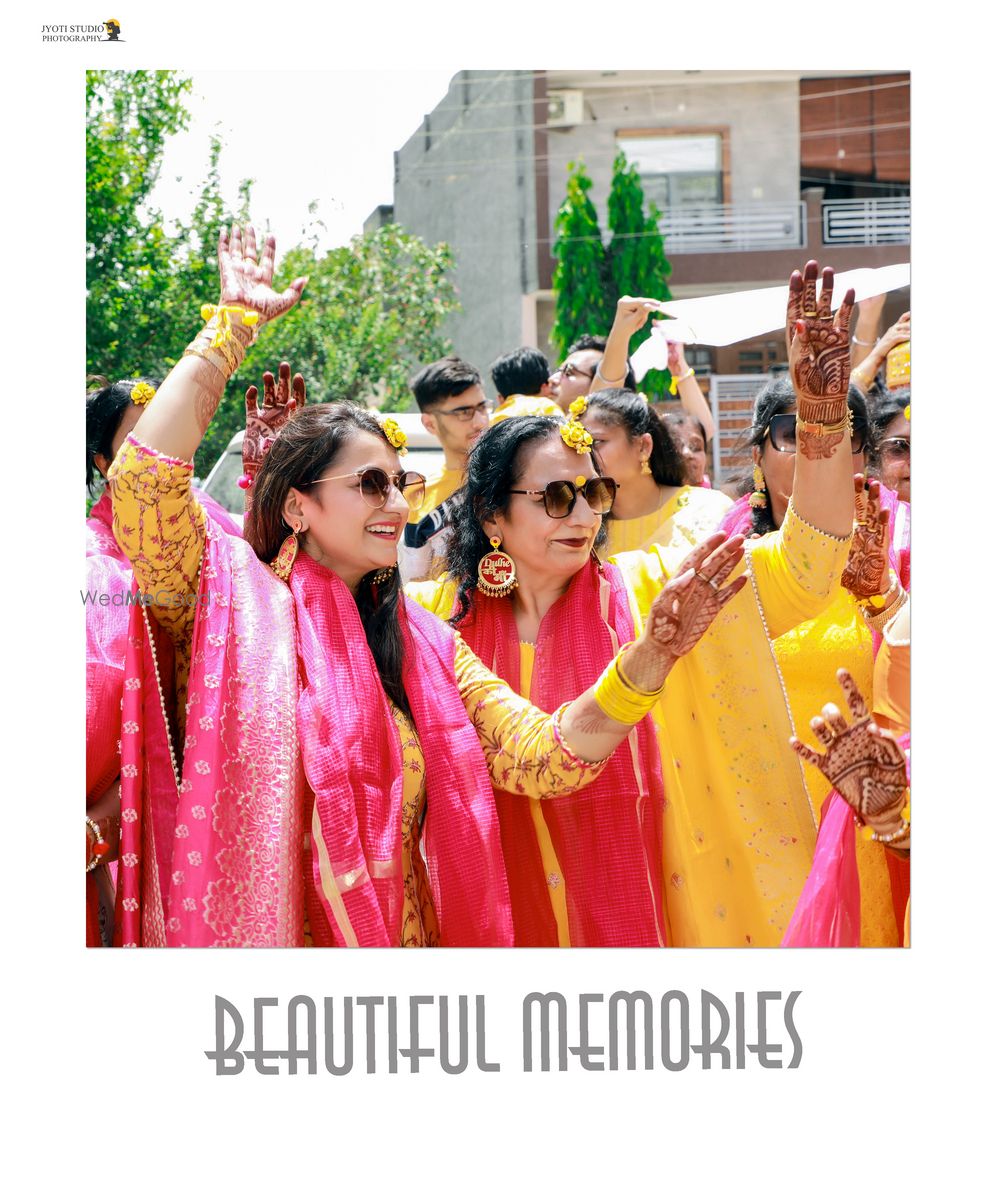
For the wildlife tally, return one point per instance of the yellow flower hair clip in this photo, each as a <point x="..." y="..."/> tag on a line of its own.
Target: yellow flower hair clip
<point x="576" y="437"/>
<point x="906" y="412"/>
<point x="142" y="393"/>
<point x="394" y="435"/>
<point x="578" y="407"/>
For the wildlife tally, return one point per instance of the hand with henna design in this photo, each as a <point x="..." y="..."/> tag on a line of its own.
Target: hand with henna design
<point x="264" y="424"/>
<point x="693" y="598"/>
<point x="819" y="348"/>
<point x="246" y="282"/>
<point x="861" y="761"/>
<point x="867" y="570"/>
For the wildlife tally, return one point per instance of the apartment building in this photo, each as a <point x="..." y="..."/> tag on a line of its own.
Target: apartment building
<point x="753" y="172"/>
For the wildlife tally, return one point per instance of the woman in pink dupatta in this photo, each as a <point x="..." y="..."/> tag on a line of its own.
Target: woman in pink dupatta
<point x="298" y="736"/>
<point x="112" y="411"/>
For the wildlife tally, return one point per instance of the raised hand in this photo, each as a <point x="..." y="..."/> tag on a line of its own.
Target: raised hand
<point x="247" y="283"/>
<point x="819" y="344"/>
<point x="632" y="312"/>
<point x="692" y="599"/>
<point x="861" y="761"/>
<point x="264" y="424"/>
<point x="676" y="362"/>
<point x="867" y="570"/>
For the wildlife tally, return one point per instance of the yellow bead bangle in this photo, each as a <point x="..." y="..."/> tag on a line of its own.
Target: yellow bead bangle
<point x="618" y="698"/>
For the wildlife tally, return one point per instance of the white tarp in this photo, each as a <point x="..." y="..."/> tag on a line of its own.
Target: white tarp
<point x="736" y="316"/>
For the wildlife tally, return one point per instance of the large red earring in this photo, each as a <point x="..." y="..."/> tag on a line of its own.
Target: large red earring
<point x="282" y="565"/>
<point x="497" y="572"/>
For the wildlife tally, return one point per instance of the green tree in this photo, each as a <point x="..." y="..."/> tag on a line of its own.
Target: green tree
<point x="145" y="281"/>
<point x="370" y="315"/>
<point x="580" y="280"/>
<point x="637" y="264"/>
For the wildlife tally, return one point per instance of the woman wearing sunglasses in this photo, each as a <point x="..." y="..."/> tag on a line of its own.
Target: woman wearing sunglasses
<point x="730" y="837"/>
<point x="654" y="503"/>
<point x="808" y="656"/>
<point x="296" y="741"/>
<point x="889" y="412"/>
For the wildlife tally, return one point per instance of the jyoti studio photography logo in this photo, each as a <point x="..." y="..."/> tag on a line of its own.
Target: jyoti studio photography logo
<point x="103" y="31"/>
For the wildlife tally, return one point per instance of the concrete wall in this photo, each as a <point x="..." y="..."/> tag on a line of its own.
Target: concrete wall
<point x="467" y="178"/>
<point x="763" y="120"/>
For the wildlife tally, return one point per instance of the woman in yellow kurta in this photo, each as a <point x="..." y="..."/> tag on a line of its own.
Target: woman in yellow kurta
<point x="809" y="655"/>
<point x="738" y="829"/>
<point x="308" y="695"/>
<point x="654" y="505"/>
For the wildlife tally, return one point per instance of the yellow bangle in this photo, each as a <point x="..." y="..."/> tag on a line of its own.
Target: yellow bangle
<point x="618" y="698"/>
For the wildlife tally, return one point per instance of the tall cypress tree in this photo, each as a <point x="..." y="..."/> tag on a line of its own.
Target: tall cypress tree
<point x="581" y="281"/>
<point x="637" y="264"/>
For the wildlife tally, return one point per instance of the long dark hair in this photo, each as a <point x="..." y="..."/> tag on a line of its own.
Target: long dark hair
<point x="495" y="465"/>
<point x="773" y="398"/>
<point x="106" y="404"/>
<point x="306" y="448"/>
<point x="636" y="416"/>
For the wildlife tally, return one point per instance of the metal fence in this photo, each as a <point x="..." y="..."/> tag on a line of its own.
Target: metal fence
<point x="731" y="399"/>
<point x="704" y="228"/>
<point x="883" y="222"/>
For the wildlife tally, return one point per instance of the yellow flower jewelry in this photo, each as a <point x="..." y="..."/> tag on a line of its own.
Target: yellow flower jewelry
<point x="225" y="330"/>
<point x="576" y="437"/>
<point x="578" y="407"/>
<point x="394" y="435"/>
<point x="142" y="393"/>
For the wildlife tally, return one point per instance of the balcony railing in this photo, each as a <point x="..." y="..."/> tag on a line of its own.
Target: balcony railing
<point x="708" y="228"/>
<point x="882" y="222"/>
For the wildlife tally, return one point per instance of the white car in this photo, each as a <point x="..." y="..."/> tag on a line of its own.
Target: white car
<point x="425" y="455"/>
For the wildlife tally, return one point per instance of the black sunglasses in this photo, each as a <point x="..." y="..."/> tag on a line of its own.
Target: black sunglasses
<point x="895" y="448"/>
<point x="560" y="495"/>
<point x="781" y="432"/>
<point x="375" y="485"/>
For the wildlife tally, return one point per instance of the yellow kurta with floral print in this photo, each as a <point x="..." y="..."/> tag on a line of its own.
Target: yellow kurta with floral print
<point x="161" y="527"/>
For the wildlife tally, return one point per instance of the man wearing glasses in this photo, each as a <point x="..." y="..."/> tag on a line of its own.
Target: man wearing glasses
<point x="452" y="403"/>
<point x="578" y="374"/>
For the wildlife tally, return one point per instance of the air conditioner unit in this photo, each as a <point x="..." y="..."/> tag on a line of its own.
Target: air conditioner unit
<point x="565" y="108"/>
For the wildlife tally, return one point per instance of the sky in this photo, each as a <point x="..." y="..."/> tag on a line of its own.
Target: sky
<point x="297" y="145"/>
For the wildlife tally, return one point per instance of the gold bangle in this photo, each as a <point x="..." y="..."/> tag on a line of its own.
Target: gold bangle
<point x="877" y="621"/>
<point x="897" y="835"/>
<point x="824" y="412"/>
<point x="821" y="427"/>
<point x="100" y="847"/>
<point x="618" y="698"/>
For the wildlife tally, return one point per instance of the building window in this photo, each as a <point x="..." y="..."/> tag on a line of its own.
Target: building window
<point x="678" y="168"/>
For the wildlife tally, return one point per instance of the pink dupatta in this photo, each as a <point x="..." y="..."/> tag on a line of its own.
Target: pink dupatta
<point x="353" y="766"/>
<point x="607" y="836"/>
<point x="109" y="579"/>
<point x="283" y="696"/>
